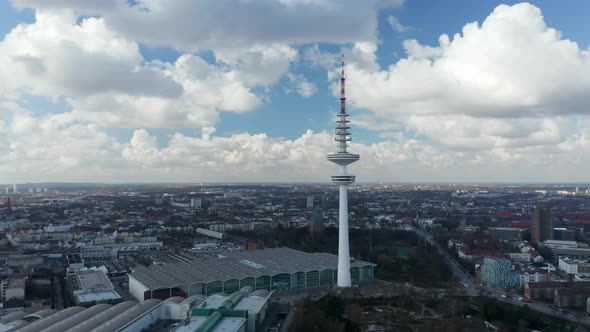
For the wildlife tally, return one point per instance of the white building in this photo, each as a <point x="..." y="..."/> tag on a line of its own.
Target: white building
<point x="560" y="244"/>
<point x="574" y="266"/>
<point x="12" y="288"/>
<point x="520" y="257"/>
<point x="217" y="228"/>
<point x="530" y="276"/>
<point x="92" y="287"/>
<point x="254" y="303"/>
<point x="185" y="205"/>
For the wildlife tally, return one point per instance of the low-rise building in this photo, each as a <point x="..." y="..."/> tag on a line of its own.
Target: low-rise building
<point x="252" y="305"/>
<point x="564" y="234"/>
<point x="567" y="248"/>
<point x="520" y="257"/>
<point x="241" y="311"/>
<point x="11" y="306"/>
<point x="455" y="244"/>
<point x="545" y="291"/>
<point x="472" y="254"/>
<point x="12" y="288"/>
<point x="575" y="297"/>
<point x="533" y="276"/>
<point x="574" y="266"/>
<point x="92" y="287"/>
<point x="468" y="229"/>
<point x="506" y="233"/>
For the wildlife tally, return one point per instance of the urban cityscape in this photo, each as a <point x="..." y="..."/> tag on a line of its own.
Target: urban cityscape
<point x="294" y="165"/>
<point x="68" y="250"/>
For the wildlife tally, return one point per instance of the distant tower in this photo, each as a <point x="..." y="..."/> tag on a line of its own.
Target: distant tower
<point x="542" y="223"/>
<point x="14" y="189"/>
<point x="343" y="179"/>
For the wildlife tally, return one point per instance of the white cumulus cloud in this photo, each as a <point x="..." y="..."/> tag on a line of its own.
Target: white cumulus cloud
<point x="511" y="65"/>
<point x="105" y="79"/>
<point x="507" y="90"/>
<point x="301" y="85"/>
<point x="212" y="24"/>
<point x="396" y="24"/>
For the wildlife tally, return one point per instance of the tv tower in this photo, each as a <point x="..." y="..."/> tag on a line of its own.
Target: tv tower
<point x="342" y="158"/>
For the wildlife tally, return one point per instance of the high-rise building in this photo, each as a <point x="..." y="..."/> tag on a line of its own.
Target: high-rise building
<point x="196" y="203"/>
<point x="316" y="226"/>
<point x="542" y="223"/>
<point x="309" y="202"/>
<point x="14" y="188"/>
<point x="342" y="158"/>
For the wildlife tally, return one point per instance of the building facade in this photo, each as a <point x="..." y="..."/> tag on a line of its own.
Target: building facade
<point x="545" y="291"/>
<point x="309" y="202"/>
<point x="498" y="273"/>
<point x="506" y="233"/>
<point x="542" y="223"/>
<point x="571" y="297"/>
<point x="573" y="266"/>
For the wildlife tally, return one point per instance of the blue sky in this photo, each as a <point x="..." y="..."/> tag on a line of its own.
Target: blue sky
<point x="101" y="91"/>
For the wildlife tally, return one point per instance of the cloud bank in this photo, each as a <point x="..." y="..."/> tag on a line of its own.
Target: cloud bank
<point x="504" y="100"/>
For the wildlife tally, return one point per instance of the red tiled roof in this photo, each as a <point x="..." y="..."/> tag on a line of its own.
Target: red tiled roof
<point x="502" y="214"/>
<point x="477" y="252"/>
<point x="556" y="284"/>
<point x="516" y="224"/>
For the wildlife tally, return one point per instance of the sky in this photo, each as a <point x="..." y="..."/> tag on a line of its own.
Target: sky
<point x="247" y="91"/>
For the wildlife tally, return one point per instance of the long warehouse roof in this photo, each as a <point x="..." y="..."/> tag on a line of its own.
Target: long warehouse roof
<point x="126" y="316"/>
<point x="46" y="322"/>
<point x="236" y="265"/>
<point x="102" y="317"/>
<point x="77" y="318"/>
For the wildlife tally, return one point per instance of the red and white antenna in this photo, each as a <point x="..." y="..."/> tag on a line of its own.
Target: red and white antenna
<point x="342" y="92"/>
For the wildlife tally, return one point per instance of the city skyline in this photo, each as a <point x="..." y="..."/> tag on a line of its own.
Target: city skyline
<point x="463" y="92"/>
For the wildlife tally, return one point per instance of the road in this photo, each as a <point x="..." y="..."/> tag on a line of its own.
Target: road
<point x="462" y="276"/>
<point x="473" y="289"/>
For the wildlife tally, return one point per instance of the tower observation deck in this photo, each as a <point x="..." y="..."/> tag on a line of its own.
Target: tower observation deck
<point x="343" y="158"/>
